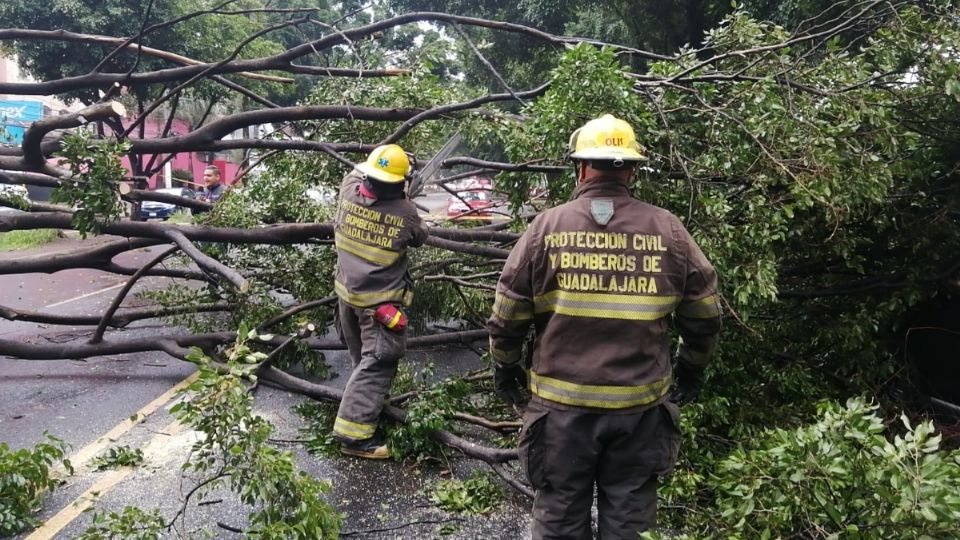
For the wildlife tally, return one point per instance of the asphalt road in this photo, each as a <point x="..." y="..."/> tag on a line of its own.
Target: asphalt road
<point x="89" y="404"/>
<point x="436" y="203"/>
<point x="73" y="399"/>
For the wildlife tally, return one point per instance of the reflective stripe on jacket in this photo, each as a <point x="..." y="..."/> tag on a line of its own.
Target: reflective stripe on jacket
<point x="601" y="297"/>
<point x="372" y="242"/>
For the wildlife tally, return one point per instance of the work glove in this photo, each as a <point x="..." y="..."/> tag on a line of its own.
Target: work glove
<point x="687" y="383"/>
<point x="510" y="383"/>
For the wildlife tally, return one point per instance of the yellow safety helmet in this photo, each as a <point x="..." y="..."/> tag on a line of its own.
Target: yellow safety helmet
<point x="605" y="139"/>
<point x="387" y="163"/>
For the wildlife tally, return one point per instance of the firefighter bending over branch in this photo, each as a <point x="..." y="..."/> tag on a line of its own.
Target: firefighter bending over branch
<point x="374" y="226"/>
<point x="599" y="278"/>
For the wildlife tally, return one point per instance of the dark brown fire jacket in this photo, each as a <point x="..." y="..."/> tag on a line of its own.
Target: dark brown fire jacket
<point x="372" y="240"/>
<point x="600" y="278"/>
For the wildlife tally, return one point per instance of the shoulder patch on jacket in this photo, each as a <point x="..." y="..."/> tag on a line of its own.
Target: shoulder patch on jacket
<point x="601" y="210"/>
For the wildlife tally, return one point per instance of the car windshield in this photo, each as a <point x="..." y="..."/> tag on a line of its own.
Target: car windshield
<point x="180" y="192"/>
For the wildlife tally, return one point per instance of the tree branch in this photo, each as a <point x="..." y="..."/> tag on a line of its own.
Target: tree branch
<point x="150" y="233"/>
<point x="511" y="480"/>
<point x="207" y="262"/>
<point x="503" y="427"/>
<point x="282" y="61"/>
<point x="88" y="257"/>
<point x="119" y="320"/>
<point x="488" y="65"/>
<point x="437" y="112"/>
<point x="499" y="166"/>
<point x="118" y="299"/>
<point x="33" y="156"/>
<point x="456" y="280"/>
<point x="67" y="351"/>
<point x="460" y="247"/>
<point x="236" y="51"/>
<point x="299" y="308"/>
<point x="318" y="391"/>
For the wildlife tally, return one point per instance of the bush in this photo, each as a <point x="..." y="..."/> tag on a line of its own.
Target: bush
<point x="24" y="477"/>
<point x="234" y="452"/>
<point x="841" y="477"/>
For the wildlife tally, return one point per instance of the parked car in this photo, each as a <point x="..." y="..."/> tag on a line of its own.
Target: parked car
<point x="14" y="191"/>
<point x="471" y="183"/>
<point x="473" y="201"/>
<point x="15" y="195"/>
<point x="162" y="210"/>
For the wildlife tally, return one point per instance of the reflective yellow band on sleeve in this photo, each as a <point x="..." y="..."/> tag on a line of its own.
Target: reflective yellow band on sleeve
<point x="602" y="397"/>
<point x="508" y="309"/>
<point x="366" y="252"/>
<point x="704" y="308"/>
<point x="396" y="296"/>
<point x="353" y="430"/>
<point x="606" y="306"/>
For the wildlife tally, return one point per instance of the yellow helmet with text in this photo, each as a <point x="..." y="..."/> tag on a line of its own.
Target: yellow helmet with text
<point x="605" y="139"/>
<point x="387" y="163"/>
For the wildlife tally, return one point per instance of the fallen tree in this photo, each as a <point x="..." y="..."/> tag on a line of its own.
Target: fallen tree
<point x="817" y="168"/>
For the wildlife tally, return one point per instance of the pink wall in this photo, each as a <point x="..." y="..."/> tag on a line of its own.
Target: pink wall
<point x="190" y="161"/>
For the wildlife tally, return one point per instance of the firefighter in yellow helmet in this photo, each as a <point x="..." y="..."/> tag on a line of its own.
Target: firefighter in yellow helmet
<point x="599" y="279"/>
<point x="374" y="226"/>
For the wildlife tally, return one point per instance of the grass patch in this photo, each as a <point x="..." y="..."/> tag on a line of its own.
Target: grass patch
<point x="181" y="217"/>
<point x="13" y="240"/>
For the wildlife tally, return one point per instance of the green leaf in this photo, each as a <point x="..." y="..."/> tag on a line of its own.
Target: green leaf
<point x="952" y="88"/>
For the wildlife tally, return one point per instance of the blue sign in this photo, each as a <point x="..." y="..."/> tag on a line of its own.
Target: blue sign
<point x="15" y="117"/>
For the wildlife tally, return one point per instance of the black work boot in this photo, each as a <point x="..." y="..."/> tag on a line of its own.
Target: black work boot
<point x="373" y="448"/>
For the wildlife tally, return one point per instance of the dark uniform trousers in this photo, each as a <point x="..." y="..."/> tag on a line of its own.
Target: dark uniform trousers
<point x="563" y="451"/>
<point x="376" y="352"/>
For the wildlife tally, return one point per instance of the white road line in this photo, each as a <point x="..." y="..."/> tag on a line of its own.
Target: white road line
<point x="85" y="454"/>
<point x="152" y="450"/>
<point x="82" y="296"/>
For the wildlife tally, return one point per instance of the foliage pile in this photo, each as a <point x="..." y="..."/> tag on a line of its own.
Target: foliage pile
<point x="430" y="410"/>
<point x="478" y="494"/>
<point x="827" y="213"/>
<point x="130" y="523"/>
<point x="845" y="476"/>
<point x="234" y="452"/>
<point x="318" y="427"/>
<point x="118" y="456"/>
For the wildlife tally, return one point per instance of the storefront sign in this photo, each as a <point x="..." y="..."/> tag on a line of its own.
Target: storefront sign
<point x="15" y="117"/>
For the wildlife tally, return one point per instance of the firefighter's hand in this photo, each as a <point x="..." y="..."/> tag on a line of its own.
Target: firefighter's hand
<point x="510" y="383"/>
<point x="687" y="384"/>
